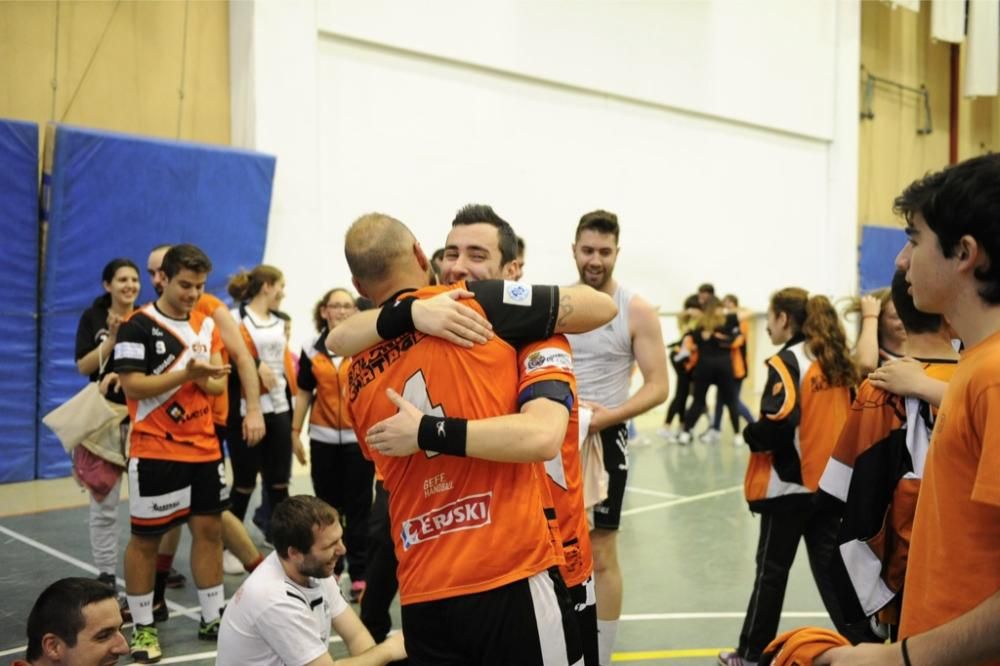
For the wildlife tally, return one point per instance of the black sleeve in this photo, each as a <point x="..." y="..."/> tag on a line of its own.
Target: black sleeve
<point x="305" y="379"/>
<point x="520" y="313"/>
<point x="131" y="351"/>
<point x="86" y="334"/>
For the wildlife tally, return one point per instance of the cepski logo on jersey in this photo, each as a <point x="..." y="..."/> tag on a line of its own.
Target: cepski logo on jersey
<point x="468" y="513"/>
<point x="516" y="293"/>
<point x="549" y="357"/>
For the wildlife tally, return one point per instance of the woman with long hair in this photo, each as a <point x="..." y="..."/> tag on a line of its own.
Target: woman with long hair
<point x="713" y="333"/>
<point x="341" y="475"/>
<point x="258" y="294"/>
<point x="95" y="343"/>
<point x="738" y="358"/>
<point x="803" y="409"/>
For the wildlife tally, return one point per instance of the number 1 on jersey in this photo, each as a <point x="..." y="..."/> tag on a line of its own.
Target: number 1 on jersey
<point x="415" y="392"/>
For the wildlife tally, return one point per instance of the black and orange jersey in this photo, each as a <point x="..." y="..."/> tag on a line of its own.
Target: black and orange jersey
<point x="175" y="425"/>
<point x="326" y="375"/>
<point x="207" y="305"/>
<point x="460" y="525"/>
<point x="552" y="360"/>
<point x="801" y="416"/>
<point x="684" y="354"/>
<point x="738" y="350"/>
<point x="718" y="342"/>
<point x="952" y="566"/>
<point x="875" y="470"/>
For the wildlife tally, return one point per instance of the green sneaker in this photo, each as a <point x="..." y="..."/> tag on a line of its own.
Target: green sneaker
<point x="145" y="645"/>
<point x="209" y="631"/>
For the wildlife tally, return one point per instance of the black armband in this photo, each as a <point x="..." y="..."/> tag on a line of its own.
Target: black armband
<point x="442" y="435"/>
<point x="552" y="389"/>
<point x="395" y="319"/>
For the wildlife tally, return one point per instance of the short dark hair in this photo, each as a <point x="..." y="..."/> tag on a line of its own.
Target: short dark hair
<point x="520" y="247"/>
<point x="293" y="520"/>
<point x="600" y="221"/>
<point x="59" y="610"/>
<point x="706" y="288"/>
<point x="963" y="199"/>
<point x="186" y="256"/>
<point x="483" y="214"/>
<point x="914" y="321"/>
<point x="692" y="302"/>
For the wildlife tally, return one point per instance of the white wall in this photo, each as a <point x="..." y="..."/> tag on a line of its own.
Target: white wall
<point x="723" y="133"/>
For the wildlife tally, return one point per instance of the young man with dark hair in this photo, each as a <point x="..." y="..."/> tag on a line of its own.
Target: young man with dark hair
<point x="168" y="358"/>
<point x="283" y="613"/>
<point x="951" y="607"/>
<point x="76" y="622"/>
<point x="603" y="362"/>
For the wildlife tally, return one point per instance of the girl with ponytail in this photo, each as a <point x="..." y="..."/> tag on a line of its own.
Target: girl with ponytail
<point x="258" y="294"/>
<point x="803" y="409"/>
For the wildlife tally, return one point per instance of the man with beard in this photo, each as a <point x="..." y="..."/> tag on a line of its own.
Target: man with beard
<point x="603" y="361"/>
<point x="282" y="614"/>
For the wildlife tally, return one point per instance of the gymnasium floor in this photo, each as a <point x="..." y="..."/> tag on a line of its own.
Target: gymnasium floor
<point x="686" y="546"/>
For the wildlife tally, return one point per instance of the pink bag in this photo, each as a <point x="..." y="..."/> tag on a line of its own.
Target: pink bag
<point x="96" y="474"/>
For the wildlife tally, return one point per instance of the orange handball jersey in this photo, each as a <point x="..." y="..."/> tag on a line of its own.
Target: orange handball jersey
<point x="460" y="525"/>
<point x="207" y="305"/>
<point x="177" y="424"/>
<point x="552" y="360"/>
<point x="953" y="563"/>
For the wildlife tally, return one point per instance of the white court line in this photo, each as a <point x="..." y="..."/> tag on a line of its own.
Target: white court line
<point x="682" y="500"/>
<point x="192" y="613"/>
<point x="708" y="616"/>
<point x="654" y="493"/>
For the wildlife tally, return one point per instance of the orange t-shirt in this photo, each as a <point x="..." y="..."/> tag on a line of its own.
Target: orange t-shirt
<point x="207" y="305"/>
<point x="177" y="424"/>
<point x="460" y="525"/>
<point x="953" y="564"/>
<point x="552" y="360"/>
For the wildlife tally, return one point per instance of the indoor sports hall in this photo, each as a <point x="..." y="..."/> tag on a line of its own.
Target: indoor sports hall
<point x="746" y="147"/>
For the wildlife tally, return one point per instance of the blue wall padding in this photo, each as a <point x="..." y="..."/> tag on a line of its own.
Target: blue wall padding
<point x="18" y="299"/>
<point x="114" y="195"/>
<point x="879" y="247"/>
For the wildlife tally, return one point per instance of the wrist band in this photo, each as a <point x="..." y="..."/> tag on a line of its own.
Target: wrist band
<point x="442" y="435"/>
<point x="906" y="653"/>
<point x="395" y="319"/>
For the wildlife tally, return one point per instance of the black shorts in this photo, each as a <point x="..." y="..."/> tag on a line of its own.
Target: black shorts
<point x="271" y="457"/>
<point x="528" y="623"/>
<point x="163" y="493"/>
<point x="584" y="599"/>
<point x="614" y="440"/>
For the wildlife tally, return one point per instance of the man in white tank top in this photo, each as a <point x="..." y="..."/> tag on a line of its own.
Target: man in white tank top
<point x="603" y="362"/>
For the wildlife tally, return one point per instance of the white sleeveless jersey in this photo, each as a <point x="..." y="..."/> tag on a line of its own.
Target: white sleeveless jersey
<point x="603" y="358"/>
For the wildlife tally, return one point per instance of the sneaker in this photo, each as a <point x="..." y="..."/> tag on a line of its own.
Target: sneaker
<point x="209" y="631"/>
<point x="734" y="659"/>
<point x="145" y="645"/>
<point x="738" y="440"/>
<point x="176" y="579"/>
<point x="684" y="438"/>
<point x="357" y="589"/>
<point x="231" y="564"/>
<point x="710" y="436"/>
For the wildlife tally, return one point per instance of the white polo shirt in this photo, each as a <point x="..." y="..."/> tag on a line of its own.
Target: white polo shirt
<point x="271" y="620"/>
